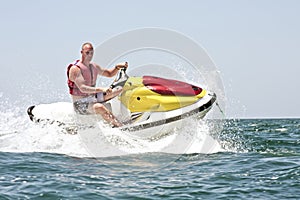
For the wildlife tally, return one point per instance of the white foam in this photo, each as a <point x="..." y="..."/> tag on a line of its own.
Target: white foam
<point x="22" y="135"/>
<point x="193" y="138"/>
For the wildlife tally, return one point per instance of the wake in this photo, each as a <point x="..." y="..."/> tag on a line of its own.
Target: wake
<point x="19" y="134"/>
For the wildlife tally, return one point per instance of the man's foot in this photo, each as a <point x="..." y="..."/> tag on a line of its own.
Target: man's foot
<point x="116" y="124"/>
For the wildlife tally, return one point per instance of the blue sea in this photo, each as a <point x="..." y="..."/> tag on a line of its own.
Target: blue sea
<point x="246" y="159"/>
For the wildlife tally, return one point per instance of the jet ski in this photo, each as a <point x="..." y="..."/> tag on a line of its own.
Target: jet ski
<point x="148" y="106"/>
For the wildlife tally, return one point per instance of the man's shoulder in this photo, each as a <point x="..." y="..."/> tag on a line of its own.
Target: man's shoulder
<point x="97" y="66"/>
<point x="74" y="68"/>
<point x="94" y="64"/>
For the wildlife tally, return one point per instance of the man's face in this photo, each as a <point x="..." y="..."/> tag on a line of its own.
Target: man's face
<point x="87" y="53"/>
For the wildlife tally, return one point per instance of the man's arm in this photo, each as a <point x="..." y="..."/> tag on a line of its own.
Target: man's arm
<point x="112" y="71"/>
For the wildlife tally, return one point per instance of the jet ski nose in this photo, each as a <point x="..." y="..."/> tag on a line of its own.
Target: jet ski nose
<point x="213" y="97"/>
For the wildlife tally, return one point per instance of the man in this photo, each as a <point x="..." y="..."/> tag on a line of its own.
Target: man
<point x="82" y="76"/>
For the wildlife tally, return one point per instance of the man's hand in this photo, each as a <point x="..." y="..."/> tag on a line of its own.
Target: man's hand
<point x="121" y="65"/>
<point x="108" y="91"/>
<point x="126" y="64"/>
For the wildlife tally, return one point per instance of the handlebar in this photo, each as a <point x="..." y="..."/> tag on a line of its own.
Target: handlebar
<point x="120" y="79"/>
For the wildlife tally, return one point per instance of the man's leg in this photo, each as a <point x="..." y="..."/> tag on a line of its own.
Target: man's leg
<point x="106" y="114"/>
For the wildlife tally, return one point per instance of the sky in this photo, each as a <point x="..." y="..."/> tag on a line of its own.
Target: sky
<point x="254" y="44"/>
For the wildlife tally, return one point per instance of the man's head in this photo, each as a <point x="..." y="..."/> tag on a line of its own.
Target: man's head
<point x="87" y="51"/>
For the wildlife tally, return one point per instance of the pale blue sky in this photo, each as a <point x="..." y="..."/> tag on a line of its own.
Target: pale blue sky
<point x="255" y="45"/>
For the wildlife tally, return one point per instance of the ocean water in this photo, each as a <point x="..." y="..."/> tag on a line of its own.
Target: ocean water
<point x="248" y="159"/>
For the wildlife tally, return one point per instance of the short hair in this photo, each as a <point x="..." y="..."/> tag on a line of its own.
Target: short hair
<point x="87" y="44"/>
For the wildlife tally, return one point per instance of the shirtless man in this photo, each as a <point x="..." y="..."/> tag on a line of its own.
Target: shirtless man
<point x="82" y="76"/>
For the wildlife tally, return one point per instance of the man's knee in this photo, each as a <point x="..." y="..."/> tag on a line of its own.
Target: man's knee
<point x="99" y="108"/>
